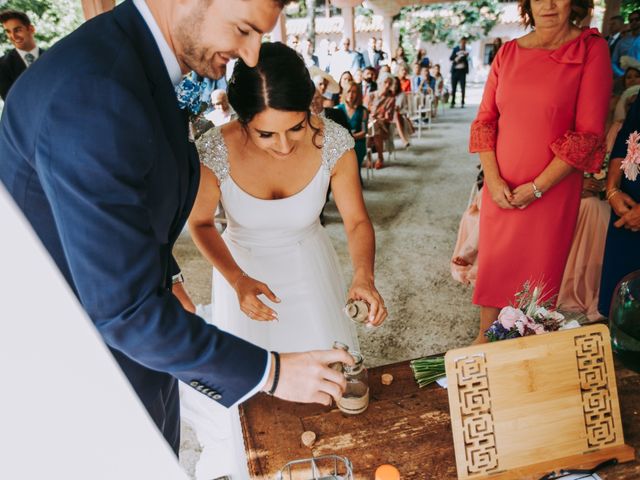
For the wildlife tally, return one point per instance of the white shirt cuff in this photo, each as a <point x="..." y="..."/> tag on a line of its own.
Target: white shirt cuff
<point x="261" y="384"/>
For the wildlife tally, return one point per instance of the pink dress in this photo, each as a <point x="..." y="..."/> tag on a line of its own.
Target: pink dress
<point x="581" y="282"/>
<point x="538" y="104"/>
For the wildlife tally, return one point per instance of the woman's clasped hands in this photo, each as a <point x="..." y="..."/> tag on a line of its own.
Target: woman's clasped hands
<point x="520" y="197"/>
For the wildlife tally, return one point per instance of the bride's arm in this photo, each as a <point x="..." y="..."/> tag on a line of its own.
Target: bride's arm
<point x="212" y="246"/>
<point x="345" y="185"/>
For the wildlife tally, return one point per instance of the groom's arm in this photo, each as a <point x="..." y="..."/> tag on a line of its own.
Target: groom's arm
<point x="95" y="153"/>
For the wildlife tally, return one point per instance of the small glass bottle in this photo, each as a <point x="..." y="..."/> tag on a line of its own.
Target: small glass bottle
<point x="355" y="399"/>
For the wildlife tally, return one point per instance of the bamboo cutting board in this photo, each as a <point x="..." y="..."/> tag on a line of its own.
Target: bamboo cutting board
<point x="535" y="404"/>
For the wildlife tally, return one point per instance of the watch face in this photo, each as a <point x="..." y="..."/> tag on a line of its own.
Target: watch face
<point x="537" y="194"/>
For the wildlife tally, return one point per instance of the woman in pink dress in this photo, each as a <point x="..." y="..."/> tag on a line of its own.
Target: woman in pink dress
<point x="539" y="127"/>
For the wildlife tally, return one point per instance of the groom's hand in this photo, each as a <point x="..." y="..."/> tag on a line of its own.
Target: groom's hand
<point x="307" y="378"/>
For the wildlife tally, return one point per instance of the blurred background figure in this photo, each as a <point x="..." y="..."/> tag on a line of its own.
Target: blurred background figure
<point x="220" y="112"/>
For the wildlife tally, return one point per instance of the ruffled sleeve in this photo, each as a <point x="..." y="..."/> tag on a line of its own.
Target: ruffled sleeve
<point x="583" y="147"/>
<point x="337" y="140"/>
<point x="213" y="153"/>
<point x="483" y="136"/>
<point x="484" y="129"/>
<point x="582" y="150"/>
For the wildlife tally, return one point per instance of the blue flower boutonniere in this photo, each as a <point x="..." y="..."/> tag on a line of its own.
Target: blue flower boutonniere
<point x="189" y="92"/>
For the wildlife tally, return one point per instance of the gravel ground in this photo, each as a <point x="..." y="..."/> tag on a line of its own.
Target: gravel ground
<point x="415" y="204"/>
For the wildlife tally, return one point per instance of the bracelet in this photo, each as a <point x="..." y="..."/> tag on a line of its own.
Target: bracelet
<point x="276" y="373"/>
<point x="178" y="278"/>
<point x="242" y="274"/>
<point x="612" y="192"/>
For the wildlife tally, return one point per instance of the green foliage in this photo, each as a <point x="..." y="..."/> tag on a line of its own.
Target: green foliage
<point x="449" y="22"/>
<point x="628" y="6"/>
<point x="53" y="19"/>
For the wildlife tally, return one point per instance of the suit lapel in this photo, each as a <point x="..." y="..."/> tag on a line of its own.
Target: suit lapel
<point x="172" y="118"/>
<point x="17" y="64"/>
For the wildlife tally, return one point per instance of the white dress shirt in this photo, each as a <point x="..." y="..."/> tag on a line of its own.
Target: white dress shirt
<point x="173" y="68"/>
<point x="35" y="52"/>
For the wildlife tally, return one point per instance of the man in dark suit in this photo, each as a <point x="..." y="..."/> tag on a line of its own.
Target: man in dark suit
<point x="459" y="70"/>
<point x="95" y="152"/>
<point x="615" y="28"/>
<point x="20" y="32"/>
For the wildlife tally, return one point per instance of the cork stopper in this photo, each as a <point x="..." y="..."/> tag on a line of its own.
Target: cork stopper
<point x="357" y="310"/>
<point x="387" y="472"/>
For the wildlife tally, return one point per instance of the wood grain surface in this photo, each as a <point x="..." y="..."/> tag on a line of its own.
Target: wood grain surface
<point x="404" y="426"/>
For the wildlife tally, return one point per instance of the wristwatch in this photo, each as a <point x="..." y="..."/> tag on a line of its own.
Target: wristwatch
<point x="177" y="279"/>
<point x="536" y="192"/>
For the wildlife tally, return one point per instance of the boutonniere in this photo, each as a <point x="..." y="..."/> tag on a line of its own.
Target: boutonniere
<point x="631" y="163"/>
<point x="189" y="93"/>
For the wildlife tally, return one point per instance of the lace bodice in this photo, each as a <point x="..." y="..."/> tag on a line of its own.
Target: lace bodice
<point x="214" y="154"/>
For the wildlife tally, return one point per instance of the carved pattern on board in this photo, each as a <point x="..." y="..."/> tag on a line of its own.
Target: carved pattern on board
<point x="475" y="409"/>
<point x="594" y="385"/>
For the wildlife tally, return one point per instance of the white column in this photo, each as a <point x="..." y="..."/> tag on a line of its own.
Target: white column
<point x="388" y="39"/>
<point x="279" y="33"/>
<point x="349" y="27"/>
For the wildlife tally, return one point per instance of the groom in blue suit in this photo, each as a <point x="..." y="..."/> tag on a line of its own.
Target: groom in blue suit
<point x="94" y="150"/>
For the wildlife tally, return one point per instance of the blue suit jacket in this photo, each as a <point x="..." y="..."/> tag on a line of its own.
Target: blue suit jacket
<point x="95" y="151"/>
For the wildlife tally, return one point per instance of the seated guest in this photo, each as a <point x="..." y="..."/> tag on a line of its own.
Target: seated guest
<point x="621" y="255"/>
<point x="368" y="82"/>
<point x="220" y="112"/>
<point x="357" y="77"/>
<point x="317" y="107"/>
<point x="345" y="79"/>
<point x="438" y="89"/>
<point x="424" y="83"/>
<point x="403" y="78"/>
<point x="382" y="109"/>
<point x="422" y="59"/>
<point x="357" y="117"/>
<point x="401" y="117"/>
<point x="327" y="87"/>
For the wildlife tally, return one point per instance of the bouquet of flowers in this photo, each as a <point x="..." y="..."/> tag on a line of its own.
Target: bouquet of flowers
<point x="631" y="163"/>
<point x="530" y="316"/>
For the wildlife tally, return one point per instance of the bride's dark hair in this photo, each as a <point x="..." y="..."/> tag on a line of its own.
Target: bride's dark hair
<point x="280" y="81"/>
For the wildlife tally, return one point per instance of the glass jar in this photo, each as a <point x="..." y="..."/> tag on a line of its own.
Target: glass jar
<point x="355" y="399"/>
<point x="624" y="321"/>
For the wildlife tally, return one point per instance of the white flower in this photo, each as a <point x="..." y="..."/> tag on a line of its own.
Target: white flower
<point x="543" y="312"/>
<point x="569" y="325"/>
<point x="556" y="316"/>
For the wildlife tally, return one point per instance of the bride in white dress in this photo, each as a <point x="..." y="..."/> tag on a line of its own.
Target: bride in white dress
<point x="277" y="281"/>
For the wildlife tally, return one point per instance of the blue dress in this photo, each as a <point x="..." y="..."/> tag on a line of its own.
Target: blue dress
<point x="622" y="249"/>
<point x="357" y="124"/>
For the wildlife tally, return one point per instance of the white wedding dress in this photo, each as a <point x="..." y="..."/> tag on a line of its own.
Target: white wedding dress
<point x="281" y="243"/>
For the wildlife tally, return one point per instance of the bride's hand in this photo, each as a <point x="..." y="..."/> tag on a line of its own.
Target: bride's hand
<point x="248" y="289"/>
<point x="364" y="290"/>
